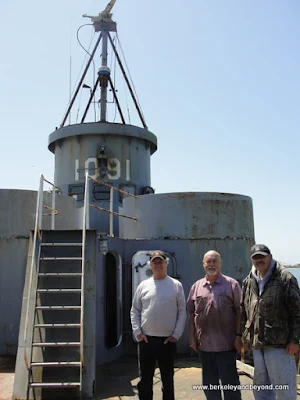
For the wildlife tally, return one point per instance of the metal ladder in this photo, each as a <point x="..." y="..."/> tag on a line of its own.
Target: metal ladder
<point x="57" y="339"/>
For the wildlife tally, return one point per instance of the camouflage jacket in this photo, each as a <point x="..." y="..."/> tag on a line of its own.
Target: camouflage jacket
<point x="272" y="318"/>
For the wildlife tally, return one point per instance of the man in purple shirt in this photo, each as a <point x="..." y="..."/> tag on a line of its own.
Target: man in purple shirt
<point x="214" y="308"/>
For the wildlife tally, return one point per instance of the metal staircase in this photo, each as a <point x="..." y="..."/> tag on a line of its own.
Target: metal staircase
<point x="56" y="356"/>
<point x="57" y="337"/>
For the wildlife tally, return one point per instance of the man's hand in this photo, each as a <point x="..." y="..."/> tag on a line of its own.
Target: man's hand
<point x="170" y="339"/>
<point x="247" y="346"/>
<point x="292" y="348"/>
<point x="193" y="343"/>
<point x="141" y="337"/>
<point x="238" y="343"/>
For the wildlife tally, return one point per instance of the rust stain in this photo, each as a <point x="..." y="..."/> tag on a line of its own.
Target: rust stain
<point x="26" y="361"/>
<point x="11" y="239"/>
<point x="186" y="195"/>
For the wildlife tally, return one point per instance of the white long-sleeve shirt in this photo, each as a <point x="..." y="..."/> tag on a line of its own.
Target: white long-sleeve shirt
<point x="159" y="308"/>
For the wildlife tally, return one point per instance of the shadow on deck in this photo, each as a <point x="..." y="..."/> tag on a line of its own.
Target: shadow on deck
<point x="118" y="379"/>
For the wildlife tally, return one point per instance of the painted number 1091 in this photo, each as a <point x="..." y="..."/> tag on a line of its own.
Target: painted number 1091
<point x="113" y="167"/>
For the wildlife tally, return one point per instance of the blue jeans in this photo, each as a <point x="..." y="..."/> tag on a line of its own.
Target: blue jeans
<point x="216" y="367"/>
<point x="273" y="366"/>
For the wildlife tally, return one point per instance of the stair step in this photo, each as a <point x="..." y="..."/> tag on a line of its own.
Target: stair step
<point x="60" y="258"/>
<point x="54" y="384"/>
<point x="61" y="244"/>
<point x="60" y="274"/>
<point x="56" y="344"/>
<point x="61" y="308"/>
<point x="56" y="364"/>
<point x="56" y="326"/>
<point x="58" y="290"/>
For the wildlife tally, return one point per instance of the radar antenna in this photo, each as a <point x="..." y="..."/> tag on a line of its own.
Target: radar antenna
<point x="108" y="8"/>
<point x="105" y="15"/>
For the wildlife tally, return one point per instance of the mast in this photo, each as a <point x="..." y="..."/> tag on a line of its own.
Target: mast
<point x="103" y="73"/>
<point x="103" y="23"/>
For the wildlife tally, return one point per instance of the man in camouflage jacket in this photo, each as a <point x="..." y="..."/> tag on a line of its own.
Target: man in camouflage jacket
<point x="271" y="325"/>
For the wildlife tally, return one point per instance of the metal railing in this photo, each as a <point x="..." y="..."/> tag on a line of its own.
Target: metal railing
<point x="111" y="203"/>
<point x="85" y="225"/>
<point x="35" y="252"/>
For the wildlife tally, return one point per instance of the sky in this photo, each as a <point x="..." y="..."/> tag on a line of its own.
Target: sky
<point x="218" y="82"/>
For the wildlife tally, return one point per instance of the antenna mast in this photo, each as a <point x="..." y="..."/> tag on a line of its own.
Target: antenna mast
<point x="104" y="24"/>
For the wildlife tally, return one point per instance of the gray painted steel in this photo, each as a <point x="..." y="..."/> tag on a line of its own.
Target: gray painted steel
<point x="188" y="254"/>
<point x="187" y="225"/>
<point x="76" y="149"/>
<point x="42" y="335"/>
<point x="17" y="216"/>
<point x="116" y="247"/>
<point x="102" y="128"/>
<point x="188" y="215"/>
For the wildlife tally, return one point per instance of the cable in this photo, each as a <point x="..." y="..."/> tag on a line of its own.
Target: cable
<point x="125" y="89"/>
<point x="79" y="102"/>
<point x="95" y="116"/>
<point x="135" y="92"/>
<point x="72" y="91"/>
<point x="83" y="49"/>
<point x="114" y="80"/>
<point x="88" y="53"/>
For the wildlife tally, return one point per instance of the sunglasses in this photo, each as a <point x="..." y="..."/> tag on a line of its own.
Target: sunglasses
<point x="258" y="257"/>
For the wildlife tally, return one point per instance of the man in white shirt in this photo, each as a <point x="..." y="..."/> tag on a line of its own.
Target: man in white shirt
<point x="158" y="316"/>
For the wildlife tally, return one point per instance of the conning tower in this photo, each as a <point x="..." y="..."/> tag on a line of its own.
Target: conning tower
<point x="111" y="153"/>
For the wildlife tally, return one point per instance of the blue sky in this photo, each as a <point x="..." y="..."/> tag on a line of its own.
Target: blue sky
<point x="219" y="85"/>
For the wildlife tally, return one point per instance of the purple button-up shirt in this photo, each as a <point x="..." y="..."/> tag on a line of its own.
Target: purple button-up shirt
<point x="214" y="308"/>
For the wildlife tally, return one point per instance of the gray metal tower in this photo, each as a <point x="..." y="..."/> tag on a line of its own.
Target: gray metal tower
<point x="113" y="153"/>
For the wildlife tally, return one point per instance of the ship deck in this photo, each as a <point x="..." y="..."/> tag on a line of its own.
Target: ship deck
<point x="117" y="380"/>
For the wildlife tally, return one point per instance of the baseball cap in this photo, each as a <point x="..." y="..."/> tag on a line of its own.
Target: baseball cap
<point x="260" y="249"/>
<point x="158" y="254"/>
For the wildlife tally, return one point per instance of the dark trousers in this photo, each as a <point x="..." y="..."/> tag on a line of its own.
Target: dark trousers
<point x="220" y="368"/>
<point x="149" y="353"/>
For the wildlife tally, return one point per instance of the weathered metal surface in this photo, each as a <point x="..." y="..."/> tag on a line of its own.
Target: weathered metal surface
<point x="189" y="215"/>
<point x="112" y="153"/>
<point x="13" y="255"/>
<point x="112" y="212"/>
<point x="105" y="128"/>
<point x="103" y="353"/>
<point x="17" y="216"/>
<point x="54" y="337"/>
<point x="90" y="317"/>
<point x="118" y="147"/>
<point x="114" y="188"/>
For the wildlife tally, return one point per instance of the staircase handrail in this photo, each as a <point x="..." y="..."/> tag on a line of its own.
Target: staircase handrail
<point x="37" y="236"/>
<point x="110" y="211"/>
<point x="85" y="226"/>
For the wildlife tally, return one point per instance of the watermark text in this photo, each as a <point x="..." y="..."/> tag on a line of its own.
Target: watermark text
<point x="241" y="387"/>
